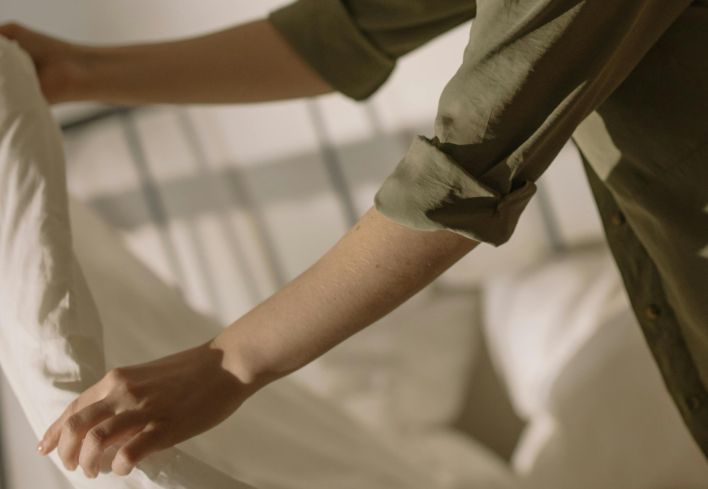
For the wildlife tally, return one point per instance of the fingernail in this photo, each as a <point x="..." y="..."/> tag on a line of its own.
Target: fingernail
<point x="40" y="448"/>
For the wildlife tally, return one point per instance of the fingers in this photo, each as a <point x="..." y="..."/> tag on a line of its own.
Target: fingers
<point x="148" y="441"/>
<point x="105" y="434"/>
<point x="99" y="390"/>
<point x="50" y="440"/>
<point x="75" y="428"/>
<point x="10" y="30"/>
<point x="51" y="437"/>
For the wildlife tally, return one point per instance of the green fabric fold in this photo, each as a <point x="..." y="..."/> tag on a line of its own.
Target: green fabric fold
<point x="351" y="63"/>
<point x="428" y="190"/>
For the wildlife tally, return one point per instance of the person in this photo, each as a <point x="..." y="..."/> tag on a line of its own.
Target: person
<point x="628" y="81"/>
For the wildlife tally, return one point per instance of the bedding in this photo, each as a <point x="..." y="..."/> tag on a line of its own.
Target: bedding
<point x="382" y="371"/>
<point x="570" y="350"/>
<point x="51" y="344"/>
<point x="74" y="302"/>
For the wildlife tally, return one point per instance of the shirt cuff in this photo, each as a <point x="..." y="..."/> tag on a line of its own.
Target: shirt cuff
<point x="324" y="34"/>
<point x="428" y="190"/>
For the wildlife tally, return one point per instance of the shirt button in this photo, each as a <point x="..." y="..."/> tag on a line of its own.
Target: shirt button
<point x="652" y="312"/>
<point x="694" y="403"/>
<point x="617" y="218"/>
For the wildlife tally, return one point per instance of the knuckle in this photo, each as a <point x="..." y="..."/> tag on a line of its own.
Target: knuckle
<point x="130" y="456"/>
<point x="131" y="388"/>
<point x="162" y="435"/>
<point x="116" y="375"/>
<point x="149" y="404"/>
<point x="73" y="424"/>
<point x="163" y="427"/>
<point x="129" y="395"/>
<point x="98" y="436"/>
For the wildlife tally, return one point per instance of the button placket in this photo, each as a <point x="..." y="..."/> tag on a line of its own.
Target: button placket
<point x="694" y="403"/>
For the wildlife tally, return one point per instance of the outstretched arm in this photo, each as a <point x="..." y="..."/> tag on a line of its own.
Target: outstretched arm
<point x="249" y="62"/>
<point x="377" y="265"/>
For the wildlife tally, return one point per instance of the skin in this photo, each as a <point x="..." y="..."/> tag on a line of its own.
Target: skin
<point x="375" y="267"/>
<point x="261" y="67"/>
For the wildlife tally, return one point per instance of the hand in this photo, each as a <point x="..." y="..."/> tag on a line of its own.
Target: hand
<point x="60" y="65"/>
<point x="146" y="408"/>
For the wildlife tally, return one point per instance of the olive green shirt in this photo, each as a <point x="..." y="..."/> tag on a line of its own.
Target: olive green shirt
<point x="626" y="80"/>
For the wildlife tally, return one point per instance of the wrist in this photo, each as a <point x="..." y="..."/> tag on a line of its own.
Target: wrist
<point x="81" y="74"/>
<point x="243" y="360"/>
<point x="66" y="77"/>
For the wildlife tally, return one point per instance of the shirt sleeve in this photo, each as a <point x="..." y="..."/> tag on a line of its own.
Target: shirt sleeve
<point x="531" y="72"/>
<point x="354" y="44"/>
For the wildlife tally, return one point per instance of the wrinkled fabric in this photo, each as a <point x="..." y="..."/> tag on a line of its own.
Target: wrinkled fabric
<point x="628" y="81"/>
<point x="51" y="340"/>
<point x="580" y="373"/>
<point x="509" y="109"/>
<point x="645" y="154"/>
<point x="354" y="45"/>
<point x="74" y="302"/>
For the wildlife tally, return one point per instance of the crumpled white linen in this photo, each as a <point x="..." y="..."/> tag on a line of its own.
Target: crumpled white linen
<point x="51" y="344"/>
<point x="72" y="306"/>
<point x="578" y="369"/>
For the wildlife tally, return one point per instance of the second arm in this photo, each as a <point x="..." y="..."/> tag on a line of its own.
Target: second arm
<point x="249" y="62"/>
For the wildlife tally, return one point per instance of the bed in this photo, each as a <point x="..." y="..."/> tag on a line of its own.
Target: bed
<point x="169" y="229"/>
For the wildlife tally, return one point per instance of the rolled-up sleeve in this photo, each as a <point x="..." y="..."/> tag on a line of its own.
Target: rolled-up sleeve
<point x="354" y="44"/>
<point x="531" y="72"/>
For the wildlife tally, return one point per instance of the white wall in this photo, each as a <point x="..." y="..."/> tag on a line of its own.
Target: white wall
<point x="127" y="20"/>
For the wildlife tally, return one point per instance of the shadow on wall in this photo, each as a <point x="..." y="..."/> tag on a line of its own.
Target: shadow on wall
<point x="281" y="180"/>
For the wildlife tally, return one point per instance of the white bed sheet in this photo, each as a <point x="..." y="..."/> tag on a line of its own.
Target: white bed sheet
<point x="55" y="324"/>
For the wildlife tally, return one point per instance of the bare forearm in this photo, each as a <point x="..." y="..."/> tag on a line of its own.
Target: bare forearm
<point x="374" y="268"/>
<point x="250" y="62"/>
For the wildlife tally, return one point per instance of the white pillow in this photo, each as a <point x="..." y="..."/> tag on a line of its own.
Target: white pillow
<point x="409" y="371"/>
<point x="578" y="369"/>
<point x="538" y="318"/>
<point x="408" y="376"/>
